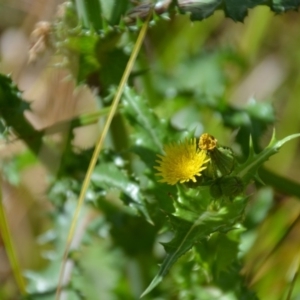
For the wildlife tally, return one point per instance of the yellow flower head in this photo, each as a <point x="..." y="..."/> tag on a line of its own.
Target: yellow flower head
<point x="181" y="163"/>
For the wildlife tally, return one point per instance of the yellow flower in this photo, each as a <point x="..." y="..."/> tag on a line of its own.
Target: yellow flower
<point x="182" y="162"/>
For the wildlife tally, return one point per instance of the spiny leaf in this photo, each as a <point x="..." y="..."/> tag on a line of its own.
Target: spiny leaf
<point x="199" y="9"/>
<point x="235" y="9"/>
<point x="280" y="6"/>
<point x="12" y="105"/>
<point x="249" y="168"/>
<point x="110" y="74"/>
<point x="192" y="202"/>
<point x="94" y="13"/>
<point x="88" y="41"/>
<point x="12" y="108"/>
<point x="150" y="128"/>
<point x="117" y="9"/>
<point x="90" y="13"/>
<point x="83" y="45"/>
<point x="107" y="175"/>
<point x="75" y="42"/>
<point x="187" y="234"/>
<point x="217" y="253"/>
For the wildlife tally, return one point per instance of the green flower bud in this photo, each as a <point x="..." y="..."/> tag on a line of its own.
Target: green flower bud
<point x="224" y="159"/>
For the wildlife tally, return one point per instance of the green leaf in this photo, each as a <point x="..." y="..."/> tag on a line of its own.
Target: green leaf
<point x="150" y="131"/>
<point x="126" y="228"/>
<point x="281" y="183"/>
<point x="218" y="252"/>
<point x="12" y="108"/>
<point x="113" y="10"/>
<point x="199" y="9"/>
<point x="90" y="13"/>
<point x="249" y="169"/>
<point x="11" y="103"/>
<point x="84" y="45"/>
<point x="188" y="233"/>
<point x="225" y="251"/>
<point x="235" y="9"/>
<point x="94" y="13"/>
<point x="75" y="38"/>
<point x="191" y="202"/>
<point x="106" y="52"/>
<point x="280" y="6"/>
<point x="108" y="176"/>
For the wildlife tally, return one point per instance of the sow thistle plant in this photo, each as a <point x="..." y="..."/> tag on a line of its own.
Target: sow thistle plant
<point x="210" y="191"/>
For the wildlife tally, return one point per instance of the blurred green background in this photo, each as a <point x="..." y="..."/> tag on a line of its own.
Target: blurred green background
<point x="217" y="76"/>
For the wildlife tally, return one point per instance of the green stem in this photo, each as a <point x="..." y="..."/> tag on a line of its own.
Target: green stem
<point x="280" y="183"/>
<point x="8" y="244"/>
